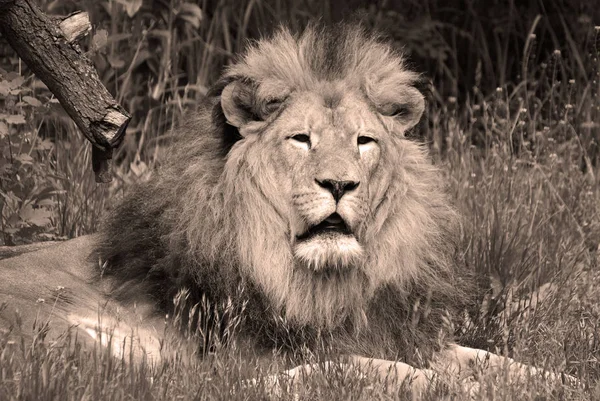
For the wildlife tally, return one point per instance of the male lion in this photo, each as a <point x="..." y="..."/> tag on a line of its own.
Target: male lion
<point x="294" y="194"/>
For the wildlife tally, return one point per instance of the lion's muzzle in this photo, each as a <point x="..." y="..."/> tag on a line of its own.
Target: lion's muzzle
<point x="328" y="245"/>
<point x="332" y="225"/>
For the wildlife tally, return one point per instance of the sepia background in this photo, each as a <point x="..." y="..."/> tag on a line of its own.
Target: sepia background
<point x="513" y="121"/>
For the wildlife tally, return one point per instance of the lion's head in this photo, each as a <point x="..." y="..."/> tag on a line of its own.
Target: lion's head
<point x="298" y="178"/>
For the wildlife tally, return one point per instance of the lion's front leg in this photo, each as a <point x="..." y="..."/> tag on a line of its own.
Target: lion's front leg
<point x="462" y="361"/>
<point x="383" y="370"/>
<point x="391" y="374"/>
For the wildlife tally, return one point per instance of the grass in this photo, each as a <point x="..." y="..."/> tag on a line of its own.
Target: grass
<point x="520" y="160"/>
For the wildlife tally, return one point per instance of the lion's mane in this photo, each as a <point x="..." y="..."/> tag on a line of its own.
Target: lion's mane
<point x="201" y="221"/>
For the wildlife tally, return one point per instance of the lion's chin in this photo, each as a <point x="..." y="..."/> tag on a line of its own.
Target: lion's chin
<point x="329" y="251"/>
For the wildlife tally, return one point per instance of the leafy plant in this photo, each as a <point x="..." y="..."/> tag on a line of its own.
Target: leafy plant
<point x="27" y="187"/>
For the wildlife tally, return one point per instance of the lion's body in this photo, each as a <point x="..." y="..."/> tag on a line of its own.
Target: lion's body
<point x="32" y="282"/>
<point x="223" y="218"/>
<point x="292" y="195"/>
<point x="224" y="213"/>
<point x="57" y="291"/>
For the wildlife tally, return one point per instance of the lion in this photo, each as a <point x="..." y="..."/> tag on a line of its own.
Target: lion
<point x="293" y="193"/>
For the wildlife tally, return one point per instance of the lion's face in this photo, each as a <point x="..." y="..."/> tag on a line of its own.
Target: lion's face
<point x="328" y="199"/>
<point x="327" y="147"/>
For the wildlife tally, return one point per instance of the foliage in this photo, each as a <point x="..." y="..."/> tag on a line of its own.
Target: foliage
<point x="46" y="192"/>
<point x="23" y="180"/>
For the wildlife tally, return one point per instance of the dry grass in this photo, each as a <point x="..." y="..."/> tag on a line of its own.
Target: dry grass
<point x="520" y="161"/>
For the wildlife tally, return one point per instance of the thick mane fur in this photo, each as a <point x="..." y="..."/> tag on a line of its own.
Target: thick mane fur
<point x="204" y="220"/>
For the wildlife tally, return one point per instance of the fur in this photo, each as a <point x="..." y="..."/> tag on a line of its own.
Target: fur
<point x="213" y="221"/>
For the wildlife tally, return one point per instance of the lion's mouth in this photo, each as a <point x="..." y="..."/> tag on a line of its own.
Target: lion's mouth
<point x="334" y="224"/>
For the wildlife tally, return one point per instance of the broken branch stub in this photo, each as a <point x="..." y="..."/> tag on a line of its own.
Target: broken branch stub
<point x="75" y="26"/>
<point x="48" y="47"/>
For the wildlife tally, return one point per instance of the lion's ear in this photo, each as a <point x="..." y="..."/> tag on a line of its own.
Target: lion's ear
<point x="237" y="103"/>
<point x="244" y="101"/>
<point x="407" y="108"/>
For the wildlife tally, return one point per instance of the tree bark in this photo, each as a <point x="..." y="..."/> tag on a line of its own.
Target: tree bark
<point x="49" y="49"/>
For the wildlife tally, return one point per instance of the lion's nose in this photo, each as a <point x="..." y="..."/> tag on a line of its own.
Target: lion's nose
<point x="338" y="188"/>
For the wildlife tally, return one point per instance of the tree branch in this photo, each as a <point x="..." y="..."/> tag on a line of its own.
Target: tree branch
<point x="50" y="50"/>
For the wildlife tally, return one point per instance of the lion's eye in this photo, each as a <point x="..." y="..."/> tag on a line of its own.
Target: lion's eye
<point x="363" y="140"/>
<point x="302" y="138"/>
